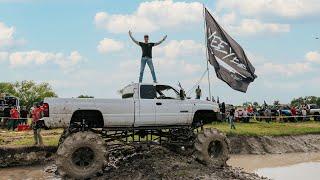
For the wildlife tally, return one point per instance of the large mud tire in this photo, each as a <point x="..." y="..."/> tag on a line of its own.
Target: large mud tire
<point x="212" y="147"/>
<point x="64" y="135"/>
<point x="70" y="158"/>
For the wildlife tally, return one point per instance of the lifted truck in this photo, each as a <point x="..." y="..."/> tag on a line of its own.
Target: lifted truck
<point x="146" y="114"/>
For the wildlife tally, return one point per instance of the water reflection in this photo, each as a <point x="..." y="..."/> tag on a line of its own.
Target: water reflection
<point x="305" y="171"/>
<point x="294" y="166"/>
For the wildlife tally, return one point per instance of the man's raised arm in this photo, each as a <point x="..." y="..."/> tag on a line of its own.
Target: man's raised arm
<point x="135" y="41"/>
<point x="164" y="38"/>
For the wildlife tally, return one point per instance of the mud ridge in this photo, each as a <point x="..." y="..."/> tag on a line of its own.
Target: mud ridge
<point x="22" y="156"/>
<point x="274" y="144"/>
<point x="160" y="163"/>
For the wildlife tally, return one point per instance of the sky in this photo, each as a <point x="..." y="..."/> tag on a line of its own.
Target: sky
<point x="83" y="47"/>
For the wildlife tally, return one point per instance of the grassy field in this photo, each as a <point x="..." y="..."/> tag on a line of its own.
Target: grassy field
<point x="254" y="128"/>
<point x="24" y="138"/>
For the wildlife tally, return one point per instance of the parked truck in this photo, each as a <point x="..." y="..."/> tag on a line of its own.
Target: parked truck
<point x="147" y="113"/>
<point x="314" y="109"/>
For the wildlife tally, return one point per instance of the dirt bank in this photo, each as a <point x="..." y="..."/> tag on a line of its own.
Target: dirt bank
<point x="275" y="144"/>
<point x="22" y="156"/>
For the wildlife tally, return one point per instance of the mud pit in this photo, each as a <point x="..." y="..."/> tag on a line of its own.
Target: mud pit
<point x="160" y="163"/>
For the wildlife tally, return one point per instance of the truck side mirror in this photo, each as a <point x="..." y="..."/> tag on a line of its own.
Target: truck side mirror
<point x="182" y="94"/>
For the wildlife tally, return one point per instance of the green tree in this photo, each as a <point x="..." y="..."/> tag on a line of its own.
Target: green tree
<point x="246" y="104"/>
<point x="28" y="92"/>
<point x="306" y="99"/>
<point x="255" y="104"/>
<point x="276" y="103"/>
<point x="7" y="88"/>
<point x="85" y="96"/>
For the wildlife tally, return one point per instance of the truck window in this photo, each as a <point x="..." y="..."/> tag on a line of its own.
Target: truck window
<point x="166" y="92"/>
<point x="147" y="92"/>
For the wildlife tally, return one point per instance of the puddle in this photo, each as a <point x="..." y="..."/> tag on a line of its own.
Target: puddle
<point x="293" y="166"/>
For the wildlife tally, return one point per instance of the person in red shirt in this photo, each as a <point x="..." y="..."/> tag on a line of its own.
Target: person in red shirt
<point x="14" y="118"/>
<point x="36" y="126"/>
<point x="293" y="112"/>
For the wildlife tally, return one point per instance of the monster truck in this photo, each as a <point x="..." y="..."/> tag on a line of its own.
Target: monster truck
<point x="146" y="114"/>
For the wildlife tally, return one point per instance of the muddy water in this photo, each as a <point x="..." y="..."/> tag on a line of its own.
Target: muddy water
<point x="293" y="166"/>
<point x="44" y="172"/>
<point x="279" y="167"/>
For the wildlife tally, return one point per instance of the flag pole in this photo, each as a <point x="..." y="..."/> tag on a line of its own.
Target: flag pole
<point x="206" y="43"/>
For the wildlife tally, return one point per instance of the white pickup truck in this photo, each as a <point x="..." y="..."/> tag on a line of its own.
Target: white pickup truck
<point x="314" y="109"/>
<point x="141" y="105"/>
<point x="147" y="113"/>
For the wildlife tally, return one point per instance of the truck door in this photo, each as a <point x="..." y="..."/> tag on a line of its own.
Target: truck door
<point x="170" y="109"/>
<point x="146" y="106"/>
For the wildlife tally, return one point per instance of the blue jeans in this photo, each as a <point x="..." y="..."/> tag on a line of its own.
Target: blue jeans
<point x="231" y="121"/>
<point x="144" y="61"/>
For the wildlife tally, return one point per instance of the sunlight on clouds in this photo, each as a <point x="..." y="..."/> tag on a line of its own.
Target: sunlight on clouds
<point x="109" y="45"/>
<point x="313" y="56"/>
<point x="151" y="16"/>
<point x="7" y="36"/>
<point x="280" y="8"/>
<point x="25" y="58"/>
<point x="254" y="26"/>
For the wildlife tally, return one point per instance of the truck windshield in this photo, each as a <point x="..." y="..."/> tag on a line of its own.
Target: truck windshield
<point x="314" y="106"/>
<point x="166" y="92"/>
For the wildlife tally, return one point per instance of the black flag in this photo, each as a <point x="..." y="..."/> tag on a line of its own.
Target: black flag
<point x="228" y="58"/>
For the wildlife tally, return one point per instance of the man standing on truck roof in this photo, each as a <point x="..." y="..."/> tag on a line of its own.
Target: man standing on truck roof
<point x="147" y="55"/>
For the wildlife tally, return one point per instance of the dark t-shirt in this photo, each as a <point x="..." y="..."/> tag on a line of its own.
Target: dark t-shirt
<point x="146" y="49"/>
<point x="24" y="113"/>
<point x="232" y="112"/>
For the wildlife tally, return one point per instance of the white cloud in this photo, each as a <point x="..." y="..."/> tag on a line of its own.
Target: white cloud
<point x="255" y="26"/>
<point x="284" y="69"/>
<point x="283" y="8"/>
<point x="4" y="56"/>
<point x="38" y="58"/>
<point x="109" y="45"/>
<point x="174" y="49"/>
<point x="313" y="56"/>
<point x="151" y="16"/>
<point x="7" y="36"/>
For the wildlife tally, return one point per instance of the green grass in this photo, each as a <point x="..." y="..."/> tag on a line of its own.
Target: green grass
<point x="25" y="138"/>
<point x="256" y="128"/>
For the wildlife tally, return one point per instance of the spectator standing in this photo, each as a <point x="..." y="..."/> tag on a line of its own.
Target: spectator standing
<point x="23" y="115"/>
<point x="231" y="118"/>
<point x="36" y="125"/>
<point x="267" y="114"/>
<point x="198" y="92"/>
<point x="293" y="112"/>
<point x="304" y="113"/>
<point x="223" y="110"/>
<point x="14" y="118"/>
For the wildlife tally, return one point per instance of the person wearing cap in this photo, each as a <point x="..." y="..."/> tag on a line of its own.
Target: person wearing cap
<point x="146" y="58"/>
